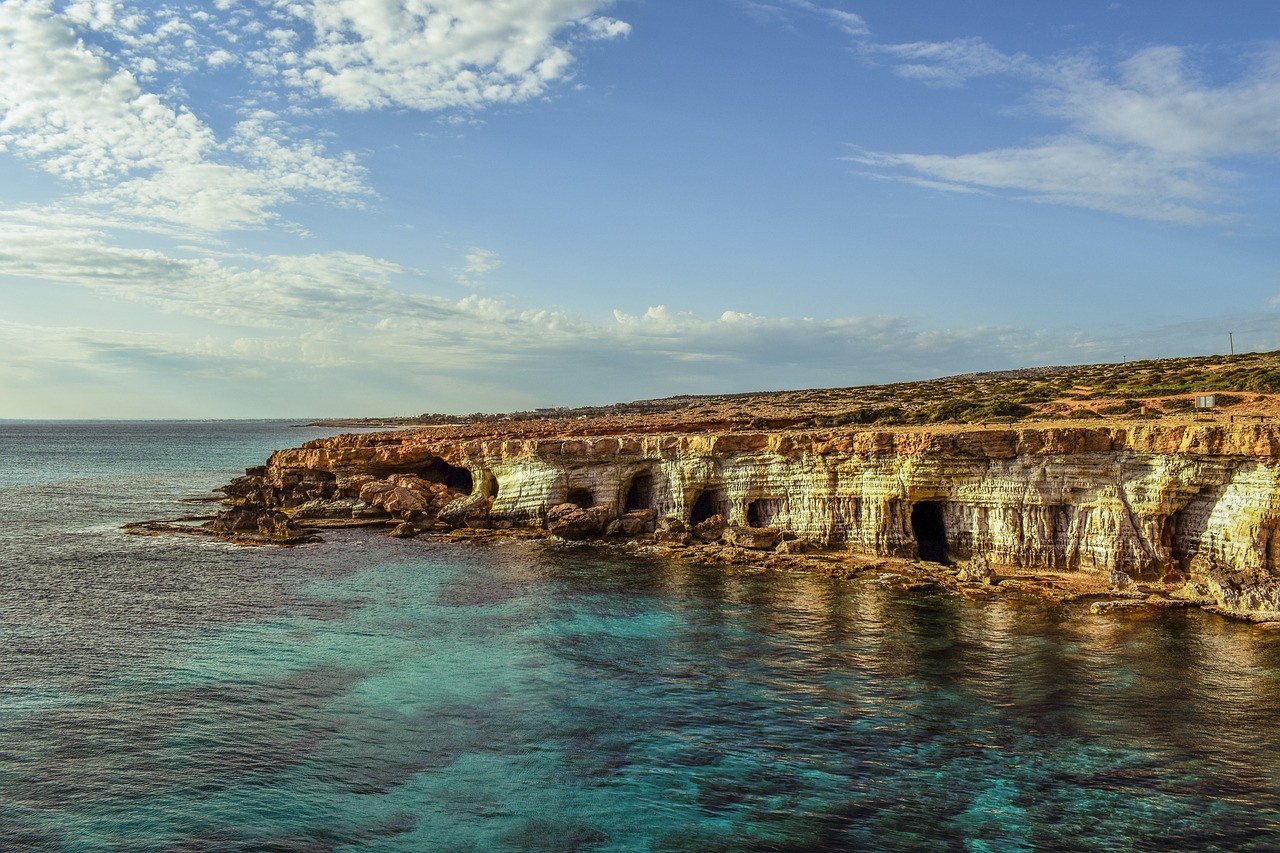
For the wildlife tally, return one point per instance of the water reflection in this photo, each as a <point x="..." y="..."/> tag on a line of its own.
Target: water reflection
<point x="531" y="697"/>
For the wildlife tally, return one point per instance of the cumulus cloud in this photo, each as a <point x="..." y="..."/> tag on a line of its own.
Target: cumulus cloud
<point x="306" y="316"/>
<point x="66" y="109"/>
<point x="367" y="54"/>
<point x="92" y="91"/>
<point x="1150" y="138"/>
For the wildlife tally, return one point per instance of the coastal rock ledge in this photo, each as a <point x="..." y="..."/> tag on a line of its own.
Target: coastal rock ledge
<point x="1191" y="503"/>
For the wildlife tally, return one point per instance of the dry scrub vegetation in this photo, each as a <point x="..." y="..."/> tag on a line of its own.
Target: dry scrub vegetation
<point x="1247" y="384"/>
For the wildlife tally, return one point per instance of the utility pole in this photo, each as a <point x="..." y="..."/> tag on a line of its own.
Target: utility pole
<point x="1231" y="339"/>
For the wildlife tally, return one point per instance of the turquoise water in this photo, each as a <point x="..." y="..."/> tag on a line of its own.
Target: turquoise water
<point x="161" y="693"/>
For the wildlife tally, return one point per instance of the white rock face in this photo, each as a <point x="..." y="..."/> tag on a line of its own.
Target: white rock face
<point x="1149" y="500"/>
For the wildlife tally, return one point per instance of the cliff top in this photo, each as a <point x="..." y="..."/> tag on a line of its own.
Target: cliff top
<point x="1246" y="386"/>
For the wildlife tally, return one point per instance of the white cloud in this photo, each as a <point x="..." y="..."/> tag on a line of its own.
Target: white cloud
<point x="66" y="109"/>
<point x="783" y="10"/>
<point x="1150" y="139"/>
<point x="1157" y="101"/>
<point x="479" y="263"/>
<point x="345" y="310"/>
<point x="949" y="63"/>
<point x="299" y="332"/>
<point x="1071" y="171"/>
<point x="368" y="54"/>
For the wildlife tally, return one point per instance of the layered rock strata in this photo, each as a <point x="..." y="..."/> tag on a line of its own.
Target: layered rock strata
<point x="1159" y="501"/>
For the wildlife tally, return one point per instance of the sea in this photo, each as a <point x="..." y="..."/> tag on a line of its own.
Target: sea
<point x="175" y="693"/>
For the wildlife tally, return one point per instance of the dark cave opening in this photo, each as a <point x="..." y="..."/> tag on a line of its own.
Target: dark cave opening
<point x="930" y="532"/>
<point x="439" y="471"/>
<point x="755" y="514"/>
<point x="707" y="505"/>
<point x="639" y="493"/>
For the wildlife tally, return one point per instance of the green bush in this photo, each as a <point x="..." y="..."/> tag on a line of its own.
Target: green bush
<point x="865" y="415"/>
<point x="1002" y="409"/>
<point x="1267" y="382"/>
<point x="1122" y="408"/>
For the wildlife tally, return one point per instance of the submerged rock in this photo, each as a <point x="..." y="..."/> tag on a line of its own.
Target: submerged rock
<point x="404" y="530"/>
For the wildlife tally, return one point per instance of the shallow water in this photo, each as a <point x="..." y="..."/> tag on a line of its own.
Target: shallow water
<point x="164" y="693"/>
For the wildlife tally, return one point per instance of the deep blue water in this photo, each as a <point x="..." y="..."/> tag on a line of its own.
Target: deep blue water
<point x="169" y="693"/>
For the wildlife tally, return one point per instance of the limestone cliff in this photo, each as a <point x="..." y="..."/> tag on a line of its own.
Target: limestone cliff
<point x="1154" y="500"/>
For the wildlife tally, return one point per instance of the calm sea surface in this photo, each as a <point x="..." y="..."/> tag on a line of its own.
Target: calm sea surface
<point x="165" y="693"/>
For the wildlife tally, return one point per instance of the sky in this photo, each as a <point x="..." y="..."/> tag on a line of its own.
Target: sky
<point x="327" y="208"/>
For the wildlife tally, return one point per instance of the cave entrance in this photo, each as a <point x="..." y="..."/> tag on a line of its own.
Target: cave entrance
<point x="458" y="479"/>
<point x="581" y="498"/>
<point x="755" y="514"/>
<point x="639" y="493"/>
<point x="930" y="531"/>
<point x="706" y="505"/>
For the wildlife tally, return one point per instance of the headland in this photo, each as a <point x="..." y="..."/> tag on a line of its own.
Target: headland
<point x="985" y="484"/>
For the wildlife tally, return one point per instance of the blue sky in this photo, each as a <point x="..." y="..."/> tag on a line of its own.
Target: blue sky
<point x="345" y="207"/>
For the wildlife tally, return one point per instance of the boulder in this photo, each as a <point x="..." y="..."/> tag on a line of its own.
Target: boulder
<point x="670" y="530"/>
<point x="362" y="510"/>
<point x="249" y="490"/>
<point x="711" y="529"/>
<point x="403" y="499"/>
<point x="351" y="486"/>
<point x="236" y="519"/>
<point x="636" y="522"/>
<point x="404" y="530"/>
<point x="797" y="546"/>
<point x="477" y="516"/>
<point x="671" y="524"/>
<point x="340" y="508"/>
<point x="1121" y="580"/>
<point x="570" y="521"/>
<point x="755" y="538"/>
<point x="372" y="491"/>
<point x="977" y="570"/>
<point x="278" y="527"/>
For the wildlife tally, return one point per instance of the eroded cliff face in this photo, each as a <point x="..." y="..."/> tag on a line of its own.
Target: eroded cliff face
<point x="1156" y="501"/>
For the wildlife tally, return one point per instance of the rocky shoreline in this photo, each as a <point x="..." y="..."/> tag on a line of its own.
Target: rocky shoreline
<point x="1123" y="515"/>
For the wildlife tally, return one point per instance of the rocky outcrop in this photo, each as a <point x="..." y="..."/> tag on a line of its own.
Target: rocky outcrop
<point x="1150" y="500"/>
